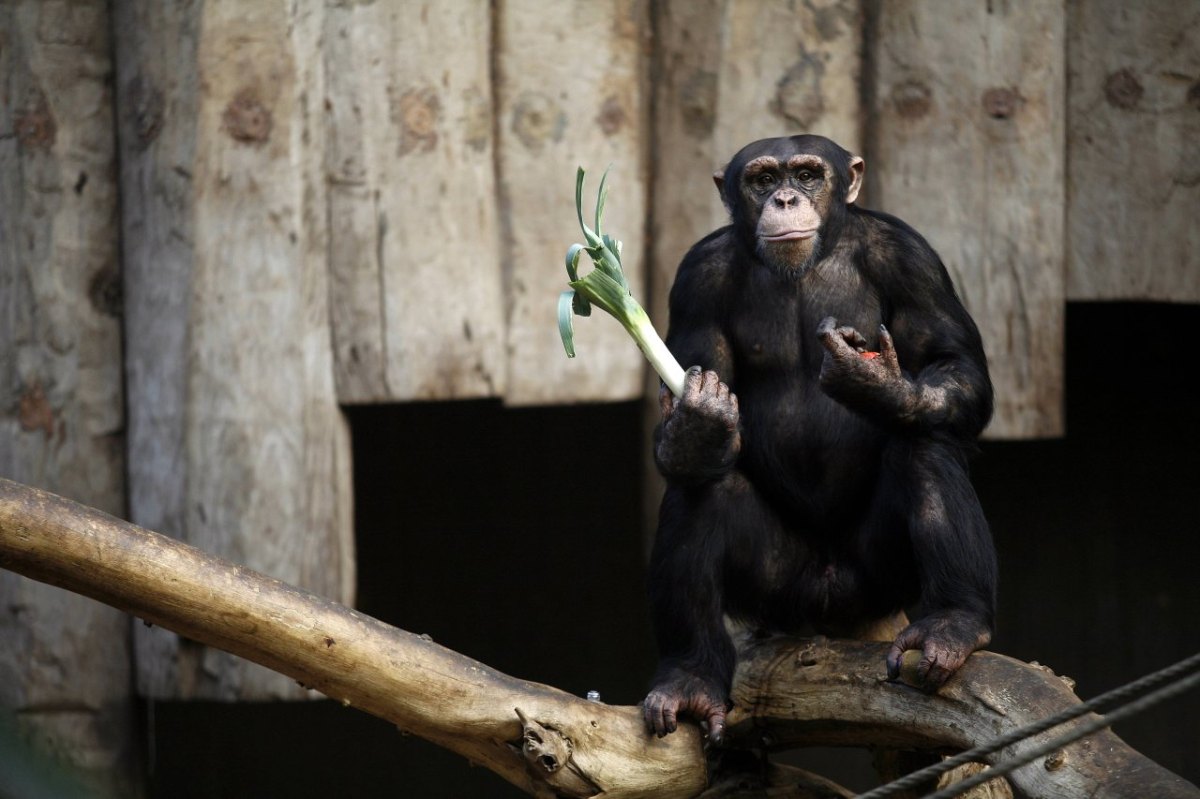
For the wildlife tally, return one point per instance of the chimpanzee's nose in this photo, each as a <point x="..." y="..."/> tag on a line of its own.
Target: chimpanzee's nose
<point x="786" y="198"/>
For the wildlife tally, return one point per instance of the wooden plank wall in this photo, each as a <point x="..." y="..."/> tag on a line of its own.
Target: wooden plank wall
<point x="1133" y="155"/>
<point x="236" y="441"/>
<point x="417" y="299"/>
<point x="568" y="86"/>
<point x="967" y="130"/>
<point x="64" y="659"/>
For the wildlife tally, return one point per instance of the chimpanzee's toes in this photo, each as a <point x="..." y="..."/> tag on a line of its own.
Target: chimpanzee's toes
<point x="660" y="710"/>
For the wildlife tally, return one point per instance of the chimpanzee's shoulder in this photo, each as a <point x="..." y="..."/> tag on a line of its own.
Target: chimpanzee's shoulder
<point x="711" y="258"/>
<point x="893" y="248"/>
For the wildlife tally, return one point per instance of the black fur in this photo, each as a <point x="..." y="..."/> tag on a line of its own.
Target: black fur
<point x="836" y="495"/>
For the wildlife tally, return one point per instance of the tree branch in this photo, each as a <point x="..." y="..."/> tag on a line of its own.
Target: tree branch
<point x="421" y="687"/>
<point x="549" y="743"/>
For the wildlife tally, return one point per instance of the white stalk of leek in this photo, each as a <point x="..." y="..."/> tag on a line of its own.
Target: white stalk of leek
<point x="606" y="287"/>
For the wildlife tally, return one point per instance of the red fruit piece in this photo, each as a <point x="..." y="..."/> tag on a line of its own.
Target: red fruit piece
<point x="869" y="355"/>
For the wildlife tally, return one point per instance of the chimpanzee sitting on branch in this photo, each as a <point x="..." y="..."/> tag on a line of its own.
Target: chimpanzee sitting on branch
<point x="816" y="463"/>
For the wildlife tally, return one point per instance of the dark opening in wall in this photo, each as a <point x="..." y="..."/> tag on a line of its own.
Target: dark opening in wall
<point x="513" y="536"/>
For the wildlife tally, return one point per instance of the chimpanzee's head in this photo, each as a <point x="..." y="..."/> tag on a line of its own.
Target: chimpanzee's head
<point x="787" y="197"/>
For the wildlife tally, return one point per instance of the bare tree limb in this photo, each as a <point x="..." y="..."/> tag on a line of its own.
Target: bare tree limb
<point x="421" y="687"/>
<point x="787" y="692"/>
<point x="790" y="693"/>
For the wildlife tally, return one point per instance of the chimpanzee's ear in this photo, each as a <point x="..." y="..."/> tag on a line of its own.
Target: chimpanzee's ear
<point x="719" y="180"/>
<point x="857" y="168"/>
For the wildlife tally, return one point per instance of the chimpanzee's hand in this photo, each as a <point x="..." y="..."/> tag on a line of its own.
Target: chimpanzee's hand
<point x="686" y="694"/>
<point x="699" y="432"/>
<point x="867" y="382"/>
<point x="945" y="639"/>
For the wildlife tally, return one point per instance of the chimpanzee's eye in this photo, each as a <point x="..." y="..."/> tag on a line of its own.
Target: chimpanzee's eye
<point x="806" y="176"/>
<point x="764" y="181"/>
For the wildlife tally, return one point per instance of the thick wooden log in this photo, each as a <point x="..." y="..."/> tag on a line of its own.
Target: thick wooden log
<point x="1133" y="165"/>
<point x="968" y="146"/>
<point x="416" y="292"/>
<point x="830" y="693"/>
<point x="64" y="661"/>
<point x="236" y="441"/>
<point x="568" y="87"/>
<point x="786" y="692"/>
<point x="566" y="746"/>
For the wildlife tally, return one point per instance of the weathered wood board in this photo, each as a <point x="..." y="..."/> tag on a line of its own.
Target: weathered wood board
<point x="1133" y="165"/>
<point x="236" y="441"/>
<point x="64" y="661"/>
<point x="569" y="94"/>
<point x="417" y="297"/>
<point x="968" y="141"/>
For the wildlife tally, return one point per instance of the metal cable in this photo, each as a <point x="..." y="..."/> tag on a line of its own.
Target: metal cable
<point x="1113" y="697"/>
<point x="1082" y="731"/>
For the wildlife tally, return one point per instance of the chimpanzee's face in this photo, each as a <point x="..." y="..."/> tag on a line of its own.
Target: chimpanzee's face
<point x="787" y="191"/>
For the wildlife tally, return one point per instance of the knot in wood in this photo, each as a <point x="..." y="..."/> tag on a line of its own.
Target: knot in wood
<point x="418" y="112"/>
<point x="612" y="116"/>
<point x="544" y="748"/>
<point x="538" y="119"/>
<point x="912" y="99"/>
<point x="798" y="95"/>
<point x="36" y="128"/>
<point x="246" y="119"/>
<point x="1122" y="89"/>
<point x="1001" y="102"/>
<point x="145" y="110"/>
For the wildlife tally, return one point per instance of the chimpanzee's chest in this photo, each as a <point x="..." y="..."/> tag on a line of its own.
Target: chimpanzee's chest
<point x="797" y="441"/>
<point x="774" y="327"/>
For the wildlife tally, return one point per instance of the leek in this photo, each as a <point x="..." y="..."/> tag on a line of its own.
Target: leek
<point x="606" y="287"/>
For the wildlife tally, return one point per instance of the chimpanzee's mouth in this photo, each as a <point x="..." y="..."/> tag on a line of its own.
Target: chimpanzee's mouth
<point x="791" y="235"/>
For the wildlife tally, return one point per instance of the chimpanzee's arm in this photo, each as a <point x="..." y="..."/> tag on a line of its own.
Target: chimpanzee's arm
<point x="698" y="439"/>
<point x="930" y="376"/>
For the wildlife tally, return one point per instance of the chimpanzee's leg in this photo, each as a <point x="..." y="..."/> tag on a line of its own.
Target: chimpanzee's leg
<point x="955" y="560"/>
<point x="687" y="583"/>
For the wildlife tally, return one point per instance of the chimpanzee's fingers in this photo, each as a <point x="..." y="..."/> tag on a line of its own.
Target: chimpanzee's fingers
<point x="693" y="379"/>
<point x="712" y="381"/>
<point x="654" y="710"/>
<point x="909" y="638"/>
<point x="666" y="401"/>
<point x="852" y="337"/>
<point x="832" y="339"/>
<point x="887" y="350"/>
<point x="716" y="725"/>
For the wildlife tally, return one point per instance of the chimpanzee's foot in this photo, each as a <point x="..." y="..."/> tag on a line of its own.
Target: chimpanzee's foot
<point x="686" y="694"/>
<point x="945" y="640"/>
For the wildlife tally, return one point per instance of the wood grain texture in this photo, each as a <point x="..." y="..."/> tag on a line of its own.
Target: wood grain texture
<point x="569" y="94"/>
<point x="417" y="297"/>
<point x="236" y="442"/>
<point x="1133" y="167"/>
<point x="64" y="663"/>
<point x="968" y="142"/>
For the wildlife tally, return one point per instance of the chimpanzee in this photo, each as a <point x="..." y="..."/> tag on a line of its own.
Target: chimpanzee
<point x="816" y="463"/>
